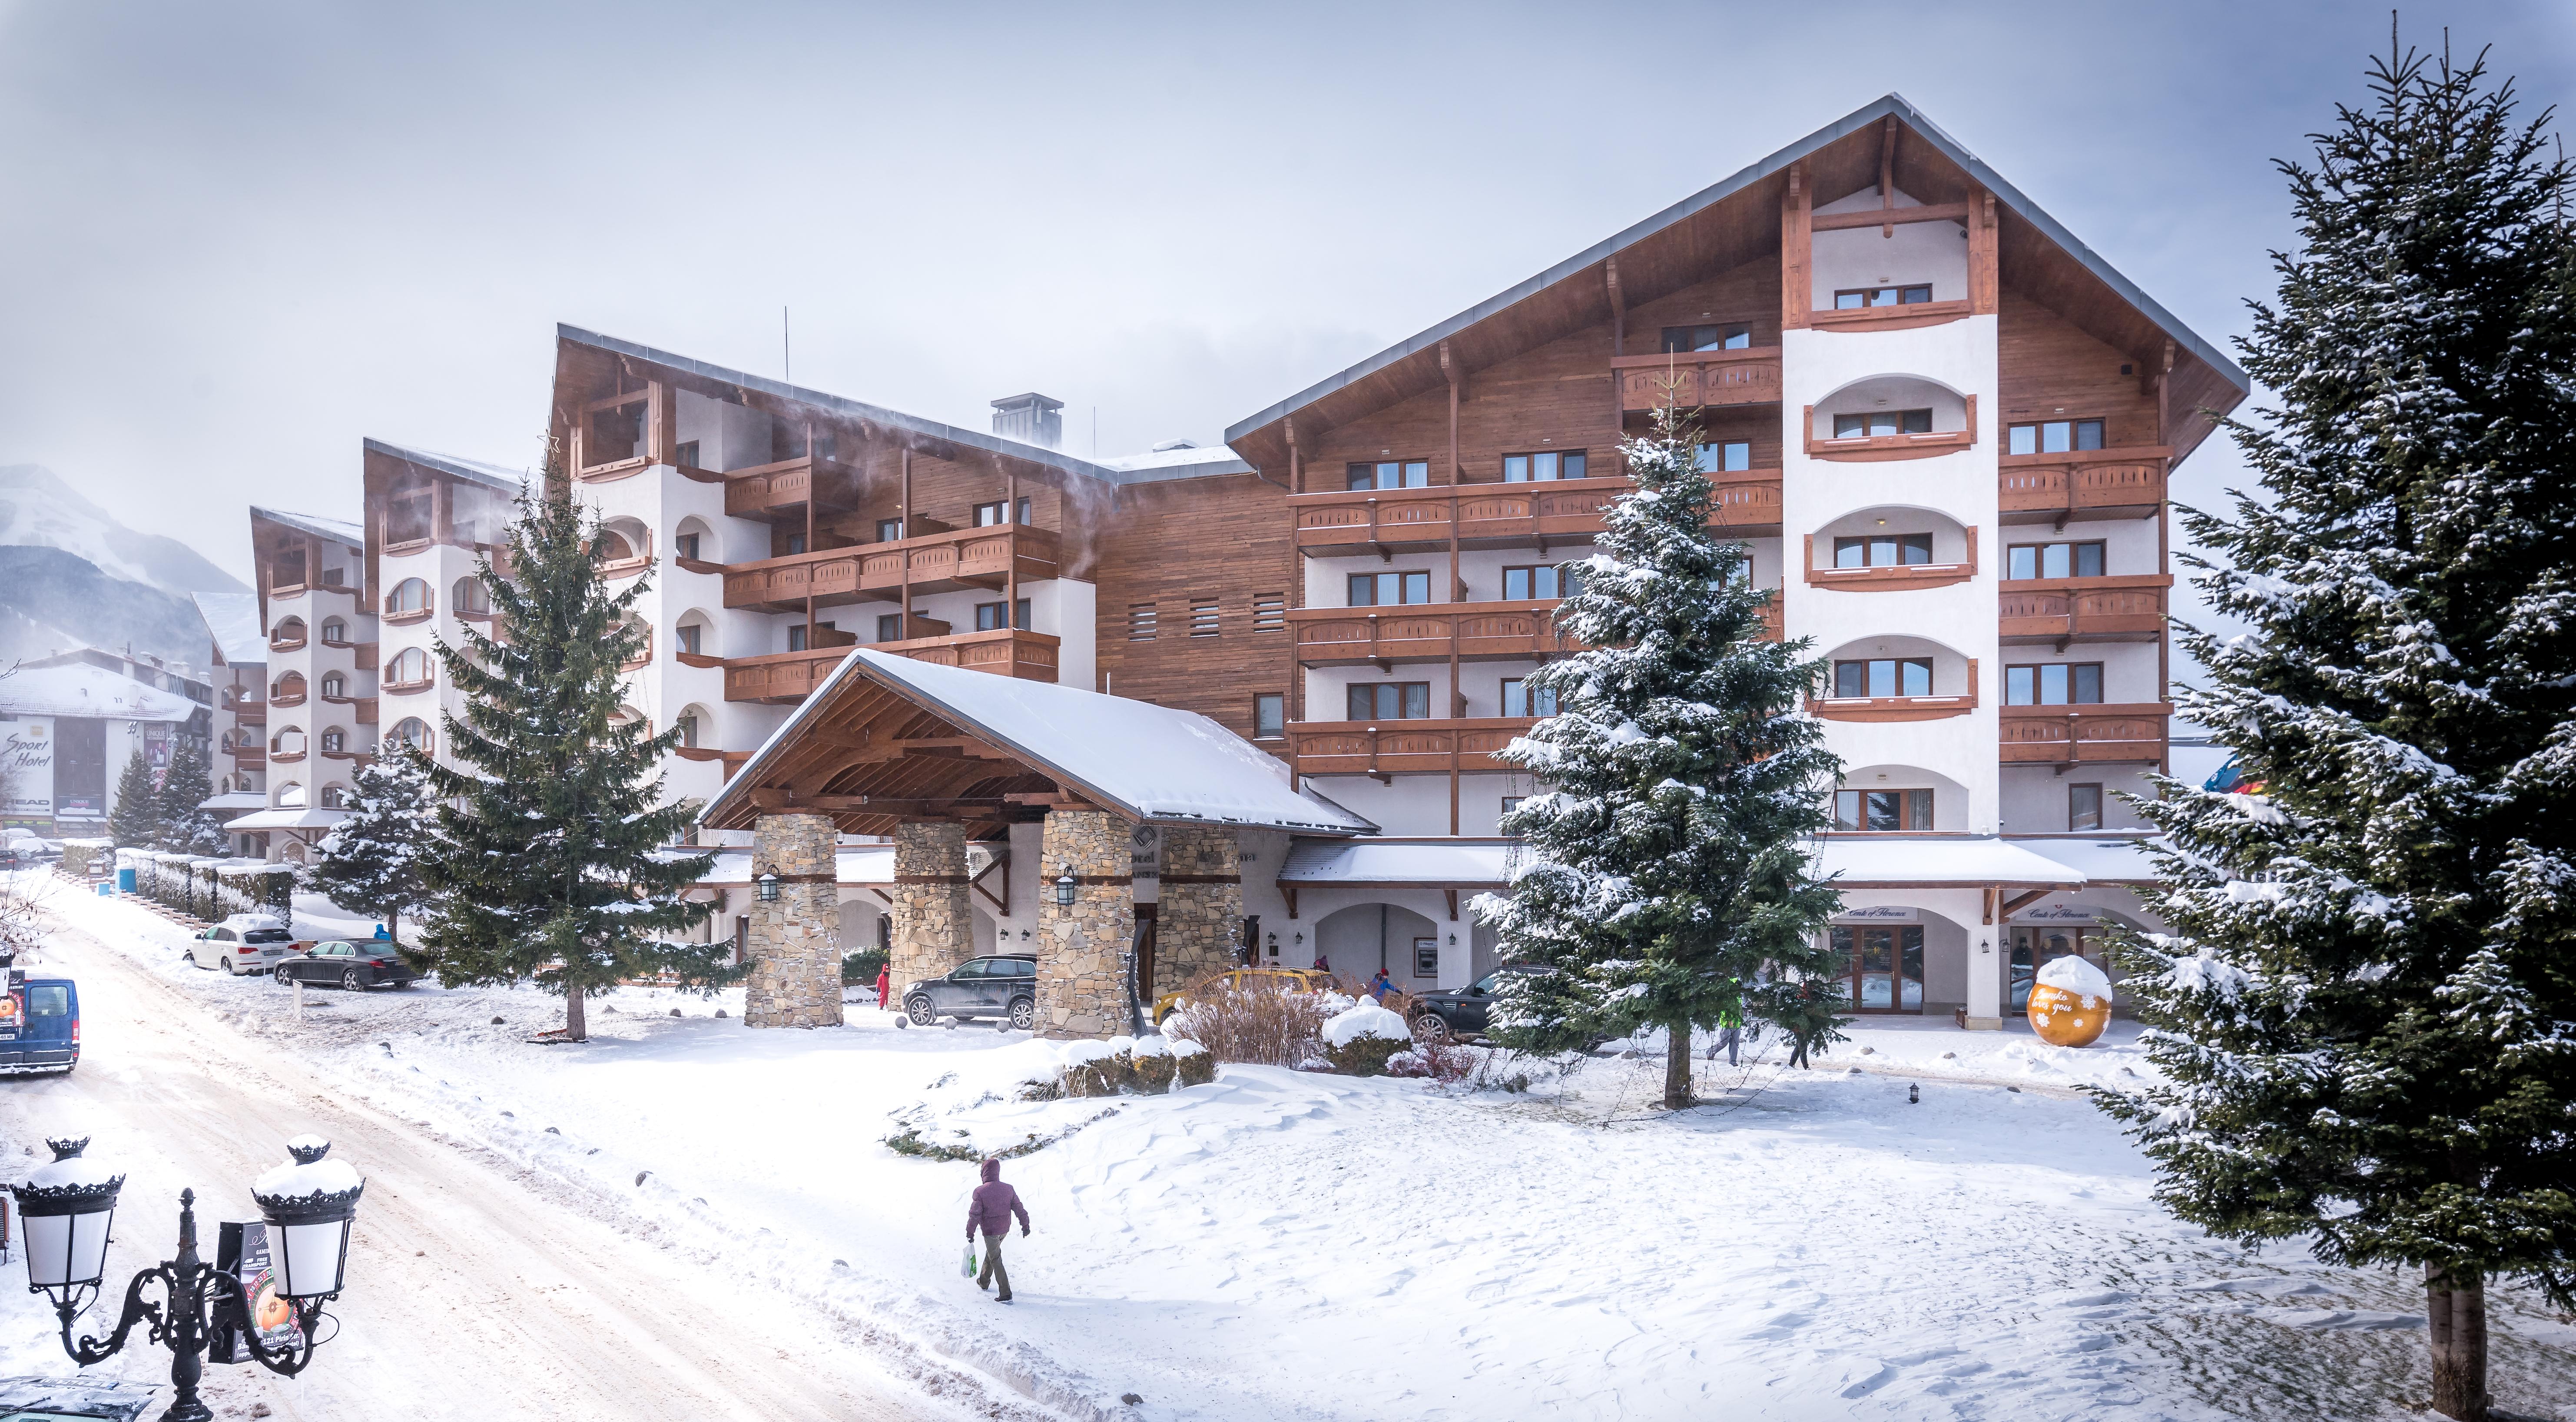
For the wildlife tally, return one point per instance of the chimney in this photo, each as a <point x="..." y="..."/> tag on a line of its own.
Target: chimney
<point x="1030" y="419"/>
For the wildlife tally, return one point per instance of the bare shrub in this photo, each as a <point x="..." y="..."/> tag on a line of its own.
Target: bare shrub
<point x="1256" y="1022"/>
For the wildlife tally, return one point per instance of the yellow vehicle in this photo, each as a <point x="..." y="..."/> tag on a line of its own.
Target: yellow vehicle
<point x="1277" y="979"/>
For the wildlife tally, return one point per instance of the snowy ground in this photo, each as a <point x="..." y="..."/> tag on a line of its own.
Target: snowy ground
<point x="1288" y="1245"/>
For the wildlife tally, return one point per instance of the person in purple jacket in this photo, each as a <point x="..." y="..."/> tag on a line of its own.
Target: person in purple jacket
<point x="990" y="1213"/>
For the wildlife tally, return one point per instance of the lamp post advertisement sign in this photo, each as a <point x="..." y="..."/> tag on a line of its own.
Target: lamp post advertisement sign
<point x="241" y="1250"/>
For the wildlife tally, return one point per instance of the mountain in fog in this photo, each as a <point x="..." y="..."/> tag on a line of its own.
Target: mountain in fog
<point x="72" y="576"/>
<point x="38" y="509"/>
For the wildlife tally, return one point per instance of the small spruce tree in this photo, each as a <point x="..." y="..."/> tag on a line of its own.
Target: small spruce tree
<point x="2366" y="1015"/>
<point x="1669" y="880"/>
<point x="187" y="827"/>
<point x="373" y="861"/>
<point x="551" y="862"/>
<point x="134" y="821"/>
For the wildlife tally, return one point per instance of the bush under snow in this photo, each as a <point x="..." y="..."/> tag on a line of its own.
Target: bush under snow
<point x="1360" y="1039"/>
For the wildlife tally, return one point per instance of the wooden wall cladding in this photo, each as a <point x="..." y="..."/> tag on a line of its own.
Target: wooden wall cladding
<point x="2051" y="365"/>
<point x="1183" y="543"/>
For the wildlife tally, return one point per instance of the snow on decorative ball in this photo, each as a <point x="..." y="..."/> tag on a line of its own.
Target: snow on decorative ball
<point x="2071" y="1003"/>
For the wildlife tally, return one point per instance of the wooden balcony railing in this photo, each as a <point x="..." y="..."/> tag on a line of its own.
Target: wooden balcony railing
<point x="290" y="644"/>
<point x="1894" y="578"/>
<point x="1871" y="449"/>
<point x="1896" y="708"/>
<point x="790" y="676"/>
<point x="1483" y="632"/>
<point x="248" y="755"/>
<point x="2073" y="735"/>
<point x="934" y="562"/>
<point x="775" y="493"/>
<point x="1502" y="515"/>
<point x="1698" y="378"/>
<point x="1387" y="748"/>
<point x="2097" y="483"/>
<point x="2064" y="610"/>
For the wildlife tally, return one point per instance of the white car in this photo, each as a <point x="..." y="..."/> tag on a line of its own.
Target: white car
<point x="244" y="943"/>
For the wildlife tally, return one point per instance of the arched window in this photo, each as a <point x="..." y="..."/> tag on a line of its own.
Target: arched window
<point x="696" y="725"/>
<point x="697" y="634"/>
<point x="469" y="599"/>
<point x="694" y="541"/>
<point x="335" y="797"/>
<point x="288" y="743"/>
<point x="625" y="716"/>
<point x="410" y="668"/>
<point x="334" y="631"/>
<point x="289" y="633"/>
<point x="335" y="687"/>
<point x="411" y="732"/>
<point x="621" y="540"/>
<point x="290" y="796"/>
<point x="334" y="741"/>
<point x="409" y="597"/>
<point x="288" y="691"/>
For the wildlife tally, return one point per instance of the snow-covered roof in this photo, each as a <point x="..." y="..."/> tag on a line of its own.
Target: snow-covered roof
<point x="1179" y="463"/>
<point x="1889" y="861"/>
<point x="1148" y="762"/>
<point x="232" y="619"/>
<point x="287" y="819"/>
<point x="1374" y="862"/>
<point x="338" y="530"/>
<point x="234" y="800"/>
<point x="74" y="688"/>
<point x="851" y="864"/>
<point x="497" y="476"/>
<point x="1906" y="862"/>
<point x="2099" y="859"/>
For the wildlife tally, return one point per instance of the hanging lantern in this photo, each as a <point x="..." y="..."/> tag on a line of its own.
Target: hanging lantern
<point x="767" y="881"/>
<point x="1065" y="886"/>
<point x="310" y="1206"/>
<point x="66" y="1207"/>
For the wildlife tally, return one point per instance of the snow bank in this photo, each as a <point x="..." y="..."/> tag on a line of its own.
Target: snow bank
<point x="2078" y="976"/>
<point x="1365" y="1020"/>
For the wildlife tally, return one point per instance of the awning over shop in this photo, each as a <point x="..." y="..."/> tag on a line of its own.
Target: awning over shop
<point x="2100" y="859"/>
<point x="234" y="801"/>
<point x="1858" y="862"/>
<point x="1387" y="864"/>
<point x="1944" y="862"/>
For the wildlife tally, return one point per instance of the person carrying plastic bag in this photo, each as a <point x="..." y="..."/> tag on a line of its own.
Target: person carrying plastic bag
<point x="989" y="1213"/>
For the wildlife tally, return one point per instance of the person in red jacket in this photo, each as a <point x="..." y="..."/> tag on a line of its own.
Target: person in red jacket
<point x="989" y="1213"/>
<point x="885" y="984"/>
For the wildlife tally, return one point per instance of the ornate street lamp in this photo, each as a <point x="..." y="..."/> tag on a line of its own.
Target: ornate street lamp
<point x="310" y="1205"/>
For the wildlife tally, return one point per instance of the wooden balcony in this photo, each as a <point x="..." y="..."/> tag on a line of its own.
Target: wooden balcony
<point x="778" y="493"/>
<point x="2069" y="610"/>
<point x="791" y="676"/>
<point x="2084" y="735"/>
<point x="2096" y="483"/>
<point x="935" y="562"/>
<point x="1693" y="379"/>
<point x="249" y="755"/>
<point x="1503" y="515"/>
<point x="1897" y="577"/>
<point x="1482" y="632"/>
<point x="1389" y="748"/>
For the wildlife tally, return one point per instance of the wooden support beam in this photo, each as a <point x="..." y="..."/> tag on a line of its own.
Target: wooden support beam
<point x="1797" y="283"/>
<point x="1887" y="174"/>
<point x="1890" y="218"/>
<point x="2018" y="902"/>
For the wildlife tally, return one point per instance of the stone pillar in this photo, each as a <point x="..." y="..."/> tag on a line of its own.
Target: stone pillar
<point x="1082" y="990"/>
<point x="934" y="926"/>
<point x="795" y="943"/>
<point x="1201" y="907"/>
<point x="1989" y="950"/>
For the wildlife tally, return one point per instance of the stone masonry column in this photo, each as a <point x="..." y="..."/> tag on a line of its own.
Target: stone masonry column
<point x="1082" y="991"/>
<point x="1201" y="908"/>
<point x="934" y="925"/>
<point x="795" y="941"/>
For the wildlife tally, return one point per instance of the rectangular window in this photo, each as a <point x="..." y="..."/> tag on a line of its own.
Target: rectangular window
<point x="2083" y="807"/>
<point x="1682" y="339"/>
<point x="686" y="545"/>
<point x="1391" y="474"/>
<point x="1543" y="467"/>
<point x="689" y="637"/>
<point x="1522" y="699"/>
<point x="687" y="454"/>
<point x="1540" y="583"/>
<point x="1203" y="620"/>
<point x="1726" y="456"/>
<point x="987" y="515"/>
<point x="1884" y="550"/>
<point x="1887" y="676"/>
<point x="1861" y="298"/>
<point x="1877" y="424"/>
<point x="2054" y="684"/>
<point x="795" y="545"/>
<point x="1140" y="622"/>
<point x="2053" y="436"/>
<point x="2053" y="560"/>
<point x="1426" y="957"/>
<point x="988" y="616"/>
<point x="1389" y="589"/>
<point x="1390" y="701"/>
<point x="688" y="731"/>
<point x="1269" y="612"/>
<point x="1883" y="810"/>
<point x="889" y="626"/>
<point x="331" y="741"/>
<point x="889" y="530"/>
<point x="796" y="636"/>
<point x="1269" y="715"/>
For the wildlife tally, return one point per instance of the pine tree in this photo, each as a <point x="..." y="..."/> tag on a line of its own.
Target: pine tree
<point x="1668" y="880"/>
<point x="373" y="861"/>
<point x="134" y="821"/>
<point x="186" y="827"/>
<point x="2366" y="1015"/>
<point x="549" y="860"/>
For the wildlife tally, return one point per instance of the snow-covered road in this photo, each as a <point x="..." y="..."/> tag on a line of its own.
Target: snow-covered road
<point x="477" y="1290"/>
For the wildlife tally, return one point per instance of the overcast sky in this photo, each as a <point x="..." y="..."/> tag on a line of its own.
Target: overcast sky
<point x="236" y="238"/>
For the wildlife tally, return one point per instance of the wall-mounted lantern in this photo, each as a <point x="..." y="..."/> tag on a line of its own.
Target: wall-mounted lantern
<point x="1065" y="886"/>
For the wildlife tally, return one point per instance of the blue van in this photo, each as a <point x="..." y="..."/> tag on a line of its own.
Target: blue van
<point x="39" y="1023"/>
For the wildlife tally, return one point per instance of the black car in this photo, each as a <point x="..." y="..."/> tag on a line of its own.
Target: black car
<point x="353" y="966"/>
<point x="1461" y="1013"/>
<point x="1002" y="986"/>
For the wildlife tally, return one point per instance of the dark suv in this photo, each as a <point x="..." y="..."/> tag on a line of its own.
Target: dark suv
<point x="1461" y="1013"/>
<point x="1002" y="986"/>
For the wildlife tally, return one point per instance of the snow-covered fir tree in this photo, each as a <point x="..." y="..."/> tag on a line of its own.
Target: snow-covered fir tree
<point x="134" y="821"/>
<point x="186" y="826"/>
<point x="373" y="861"/>
<point x="551" y="859"/>
<point x="2366" y="1015"/>
<point x="1668" y="877"/>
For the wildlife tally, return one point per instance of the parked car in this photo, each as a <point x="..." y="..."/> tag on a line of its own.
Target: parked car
<point x="1002" y="986"/>
<point x="1461" y="1012"/>
<point x="39" y="1024"/>
<point x="1281" y="979"/>
<point x="244" y="943"/>
<point x="354" y="966"/>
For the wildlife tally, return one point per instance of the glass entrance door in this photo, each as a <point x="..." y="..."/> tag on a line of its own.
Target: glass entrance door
<point x="1886" y="965"/>
<point x="2033" y="947"/>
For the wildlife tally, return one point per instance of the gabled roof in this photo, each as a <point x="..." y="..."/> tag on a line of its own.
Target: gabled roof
<point x="1761" y="175"/>
<point x="507" y="480"/>
<point x="232" y="619"/>
<point x="334" y="530"/>
<point x="76" y="688"/>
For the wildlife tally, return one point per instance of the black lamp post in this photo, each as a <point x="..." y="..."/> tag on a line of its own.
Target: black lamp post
<point x="309" y="1205"/>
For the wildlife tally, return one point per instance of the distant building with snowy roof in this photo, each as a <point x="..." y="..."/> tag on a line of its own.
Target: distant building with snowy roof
<point x="70" y="723"/>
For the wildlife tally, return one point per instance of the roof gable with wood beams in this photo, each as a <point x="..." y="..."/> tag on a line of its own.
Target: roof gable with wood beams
<point x="1738" y="220"/>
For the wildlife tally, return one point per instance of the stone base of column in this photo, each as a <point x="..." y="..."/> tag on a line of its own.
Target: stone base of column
<point x="1082" y="986"/>
<point x="795" y="978"/>
<point x="934" y="924"/>
<point x="1200" y="911"/>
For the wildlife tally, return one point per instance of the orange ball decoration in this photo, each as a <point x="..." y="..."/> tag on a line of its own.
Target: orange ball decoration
<point x="2067" y="1019"/>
